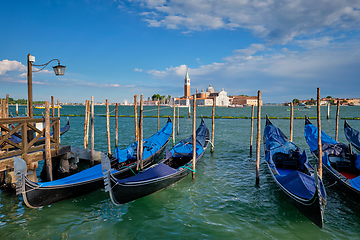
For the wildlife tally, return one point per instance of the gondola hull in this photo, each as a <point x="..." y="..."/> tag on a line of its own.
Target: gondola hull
<point x="293" y="174"/>
<point x="341" y="181"/>
<point x="35" y="196"/>
<point x="127" y="192"/>
<point x="176" y="165"/>
<point x="345" y="183"/>
<point x="312" y="208"/>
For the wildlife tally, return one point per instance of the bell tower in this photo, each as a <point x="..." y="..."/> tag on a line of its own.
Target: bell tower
<point x="187" y="85"/>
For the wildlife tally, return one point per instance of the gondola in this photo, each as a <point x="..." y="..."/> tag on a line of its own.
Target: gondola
<point x="37" y="194"/>
<point x="293" y="174"/>
<point x="176" y="165"/>
<point x="338" y="160"/>
<point x="352" y="135"/>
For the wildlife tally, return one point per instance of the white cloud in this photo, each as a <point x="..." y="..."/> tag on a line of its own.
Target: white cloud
<point x="275" y="20"/>
<point x="8" y="66"/>
<point x="278" y="72"/>
<point x="138" y="70"/>
<point x="178" y="71"/>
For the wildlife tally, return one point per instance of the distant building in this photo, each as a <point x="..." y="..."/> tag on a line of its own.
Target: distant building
<point x="244" y="100"/>
<point x="334" y="101"/>
<point x="203" y="98"/>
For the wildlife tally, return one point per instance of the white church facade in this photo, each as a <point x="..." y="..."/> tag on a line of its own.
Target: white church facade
<point x="203" y="98"/>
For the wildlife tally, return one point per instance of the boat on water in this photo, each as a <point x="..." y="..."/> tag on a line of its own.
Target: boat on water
<point x="42" y="106"/>
<point x="338" y="160"/>
<point x="176" y="165"/>
<point x="307" y="107"/>
<point x="235" y="106"/>
<point x="352" y="135"/>
<point x="293" y="174"/>
<point x="37" y="194"/>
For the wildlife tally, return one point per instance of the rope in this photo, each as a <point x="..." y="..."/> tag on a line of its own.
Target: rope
<point x="210" y="142"/>
<point x="331" y="184"/>
<point x="188" y="168"/>
<point x="129" y="168"/>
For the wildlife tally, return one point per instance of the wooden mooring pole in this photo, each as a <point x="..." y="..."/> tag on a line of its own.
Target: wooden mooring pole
<point x="136" y="134"/>
<point x="58" y="104"/>
<point x="108" y="126"/>
<point x="337" y="120"/>
<point x="92" y="152"/>
<point x="52" y="107"/>
<point x="47" y="143"/>
<point x="7" y="105"/>
<point x="291" y="121"/>
<point x="178" y="122"/>
<point x="319" y="132"/>
<point x="194" y="137"/>
<point x="116" y="124"/>
<point x="252" y="128"/>
<point x="174" y="115"/>
<point x="258" y="140"/>
<point x="328" y="111"/>
<point x="86" y="124"/>
<point x="141" y="131"/>
<point x="213" y="127"/>
<point x="135" y="115"/>
<point x="158" y="122"/>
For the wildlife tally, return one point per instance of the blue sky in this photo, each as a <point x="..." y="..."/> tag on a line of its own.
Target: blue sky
<point x="115" y="49"/>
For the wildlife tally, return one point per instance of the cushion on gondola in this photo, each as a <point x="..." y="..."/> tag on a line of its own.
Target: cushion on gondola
<point x="299" y="184"/>
<point x="157" y="171"/>
<point x="355" y="183"/>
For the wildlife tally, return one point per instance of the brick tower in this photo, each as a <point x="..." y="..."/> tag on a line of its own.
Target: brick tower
<point x="187" y="85"/>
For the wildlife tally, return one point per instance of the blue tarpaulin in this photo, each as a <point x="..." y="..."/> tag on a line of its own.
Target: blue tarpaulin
<point x="158" y="171"/>
<point x="157" y="140"/>
<point x="352" y="135"/>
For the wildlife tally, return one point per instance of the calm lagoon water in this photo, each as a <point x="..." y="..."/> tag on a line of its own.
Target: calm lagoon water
<point x="221" y="203"/>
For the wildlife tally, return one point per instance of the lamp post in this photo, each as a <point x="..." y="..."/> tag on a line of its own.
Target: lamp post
<point x="59" y="70"/>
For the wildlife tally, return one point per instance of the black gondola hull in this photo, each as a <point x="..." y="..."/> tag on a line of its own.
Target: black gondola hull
<point x="35" y="196"/>
<point x="123" y="193"/>
<point x="312" y="208"/>
<point x="342" y="181"/>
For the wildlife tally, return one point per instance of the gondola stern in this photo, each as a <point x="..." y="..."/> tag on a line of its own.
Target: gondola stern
<point x="268" y="122"/>
<point x="20" y="170"/>
<point x="320" y="198"/>
<point x="106" y="168"/>
<point x="307" y="121"/>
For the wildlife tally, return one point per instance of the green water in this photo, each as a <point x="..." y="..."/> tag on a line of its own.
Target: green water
<point x="221" y="203"/>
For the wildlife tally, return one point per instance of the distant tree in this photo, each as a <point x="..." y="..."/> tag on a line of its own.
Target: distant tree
<point x="331" y="101"/>
<point x="296" y="101"/>
<point x="155" y="96"/>
<point x="328" y="97"/>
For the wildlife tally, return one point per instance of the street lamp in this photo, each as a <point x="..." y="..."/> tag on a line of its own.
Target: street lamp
<point x="59" y="70"/>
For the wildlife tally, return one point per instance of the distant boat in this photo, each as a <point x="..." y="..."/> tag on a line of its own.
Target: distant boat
<point x="235" y="106"/>
<point x="307" y="107"/>
<point x="41" y="106"/>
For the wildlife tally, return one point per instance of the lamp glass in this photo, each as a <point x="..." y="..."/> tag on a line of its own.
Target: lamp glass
<point x="59" y="70"/>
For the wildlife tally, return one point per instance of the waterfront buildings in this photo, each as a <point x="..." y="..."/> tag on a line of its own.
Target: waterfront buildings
<point x="203" y="98"/>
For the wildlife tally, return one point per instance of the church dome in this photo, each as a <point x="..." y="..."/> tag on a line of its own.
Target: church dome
<point x="210" y="89"/>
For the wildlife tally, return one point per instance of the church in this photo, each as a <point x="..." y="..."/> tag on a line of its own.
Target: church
<point x="203" y="98"/>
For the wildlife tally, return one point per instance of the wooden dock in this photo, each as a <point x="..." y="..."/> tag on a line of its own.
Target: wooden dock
<point x="26" y="138"/>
